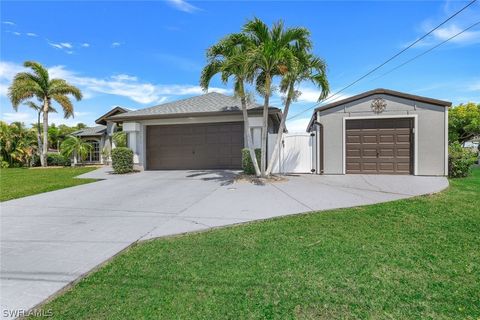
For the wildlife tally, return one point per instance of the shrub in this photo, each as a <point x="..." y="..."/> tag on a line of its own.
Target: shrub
<point x="4" y="164"/>
<point x="460" y="160"/>
<point x="57" y="159"/>
<point x="247" y="164"/>
<point x="122" y="160"/>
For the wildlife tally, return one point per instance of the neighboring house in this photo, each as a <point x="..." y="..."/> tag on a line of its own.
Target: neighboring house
<point x="382" y="132"/>
<point x="100" y="137"/>
<point x="202" y="132"/>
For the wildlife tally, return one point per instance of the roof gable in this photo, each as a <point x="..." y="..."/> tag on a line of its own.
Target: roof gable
<point x="117" y="110"/>
<point x="386" y="92"/>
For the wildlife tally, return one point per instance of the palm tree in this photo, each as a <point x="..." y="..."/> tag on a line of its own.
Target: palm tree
<point x="307" y="67"/>
<point x="38" y="84"/>
<point x="271" y="56"/>
<point x="75" y="146"/>
<point x="229" y="58"/>
<point x="38" y="109"/>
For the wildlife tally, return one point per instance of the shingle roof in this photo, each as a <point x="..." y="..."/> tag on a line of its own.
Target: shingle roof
<point x="90" y="131"/>
<point x="210" y="102"/>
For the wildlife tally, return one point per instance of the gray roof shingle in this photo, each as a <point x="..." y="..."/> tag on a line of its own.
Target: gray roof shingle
<point x="90" y="131"/>
<point x="209" y="102"/>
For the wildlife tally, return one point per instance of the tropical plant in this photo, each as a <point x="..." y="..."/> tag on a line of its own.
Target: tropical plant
<point x="272" y="55"/>
<point x="464" y="122"/>
<point x="228" y="58"/>
<point x="120" y="139"/>
<point x="17" y="144"/>
<point x="76" y="147"/>
<point x="27" y="85"/>
<point x="306" y="67"/>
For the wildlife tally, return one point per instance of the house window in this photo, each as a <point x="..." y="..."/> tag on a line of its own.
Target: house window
<point x="94" y="155"/>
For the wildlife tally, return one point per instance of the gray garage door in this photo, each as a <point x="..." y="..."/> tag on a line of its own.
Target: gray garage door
<point x="195" y="146"/>
<point x="379" y="146"/>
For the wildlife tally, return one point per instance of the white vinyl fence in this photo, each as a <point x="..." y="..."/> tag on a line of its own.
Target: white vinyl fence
<point x="296" y="154"/>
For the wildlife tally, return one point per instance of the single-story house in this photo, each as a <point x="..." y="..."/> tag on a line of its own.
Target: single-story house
<point x="382" y="132"/>
<point x="201" y="132"/>
<point x="100" y="137"/>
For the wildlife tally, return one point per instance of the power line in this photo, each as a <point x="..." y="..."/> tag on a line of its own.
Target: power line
<point x="388" y="60"/>
<point x="429" y="50"/>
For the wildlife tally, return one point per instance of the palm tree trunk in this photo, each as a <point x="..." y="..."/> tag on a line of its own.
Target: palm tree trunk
<point x="251" y="150"/>
<point x="39" y="139"/>
<point x="45" y="132"/>
<point x="263" y="160"/>
<point x="288" y="101"/>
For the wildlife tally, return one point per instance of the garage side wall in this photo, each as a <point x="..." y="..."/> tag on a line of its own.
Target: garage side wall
<point x="431" y="131"/>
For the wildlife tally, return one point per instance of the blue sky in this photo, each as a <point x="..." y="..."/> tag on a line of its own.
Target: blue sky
<point x="139" y="54"/>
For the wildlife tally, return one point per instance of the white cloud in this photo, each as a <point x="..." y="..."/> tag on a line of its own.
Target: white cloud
<point x="81" y="114"/>
<point x="468" y="37"/>
<point x="16" y="33"/>
<point x="183" y="5"/>
<point x="10" y="23"/>
<point x="121" y="85"/>
<point x="128" y="86"/>
<point x="124" y="77"/>
<point x="31" y="34"/>
<point x="56" y="45"/>
<point x="8" y="70"/>
<point x="297" y="125"/>
<point x="18" y="116"/>
<point x="67" y="45"/>
<point x="116" y="44"/>
<point x="85" y="45"/>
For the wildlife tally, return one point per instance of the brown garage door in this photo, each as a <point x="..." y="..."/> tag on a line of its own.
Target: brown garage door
<point x="379" y="146"/>
<point x="195" y="146"/>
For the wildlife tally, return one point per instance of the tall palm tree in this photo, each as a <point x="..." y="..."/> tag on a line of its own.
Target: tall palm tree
<point x="229" y="59"/>
<point x="307" y="67"/>
<point x="27" y="85"/>
<point x="271" y="56"/>
<point x="38" y="109"/>
<point x="77" y="147"/>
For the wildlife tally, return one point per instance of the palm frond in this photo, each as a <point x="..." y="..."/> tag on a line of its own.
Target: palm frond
<point x="60" y="86"/>
<point x="208" y="72"/>
<point x="23" y="89"/>
<point x="40" y="71"/>
<point x="66" y="104"/>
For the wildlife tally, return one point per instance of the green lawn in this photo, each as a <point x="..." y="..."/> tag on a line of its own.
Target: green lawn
<point x="409" y="259"/>
<point x="22" y="182"/>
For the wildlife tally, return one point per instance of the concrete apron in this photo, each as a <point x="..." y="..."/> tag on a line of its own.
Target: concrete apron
<point x="52" y="239"/>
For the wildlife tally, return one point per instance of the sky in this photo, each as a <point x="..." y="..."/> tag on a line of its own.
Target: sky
<point x="144" y="53"/>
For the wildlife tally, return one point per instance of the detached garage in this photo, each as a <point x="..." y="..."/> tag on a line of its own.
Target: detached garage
<point x="382" y="132"/>
<point x="201" y="132"/>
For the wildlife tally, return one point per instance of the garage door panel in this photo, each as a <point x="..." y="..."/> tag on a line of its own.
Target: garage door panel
<point x="379" y="146"/>
<point x="369" y="152"/>
<point x="194" y="146"/>
<point x="369" y="139"/>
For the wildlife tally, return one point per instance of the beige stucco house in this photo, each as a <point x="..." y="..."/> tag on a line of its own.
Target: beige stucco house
<point x="201" y="132"/>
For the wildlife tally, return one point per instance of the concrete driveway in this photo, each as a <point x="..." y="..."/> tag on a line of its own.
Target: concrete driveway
<point x="51" y="239"/>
